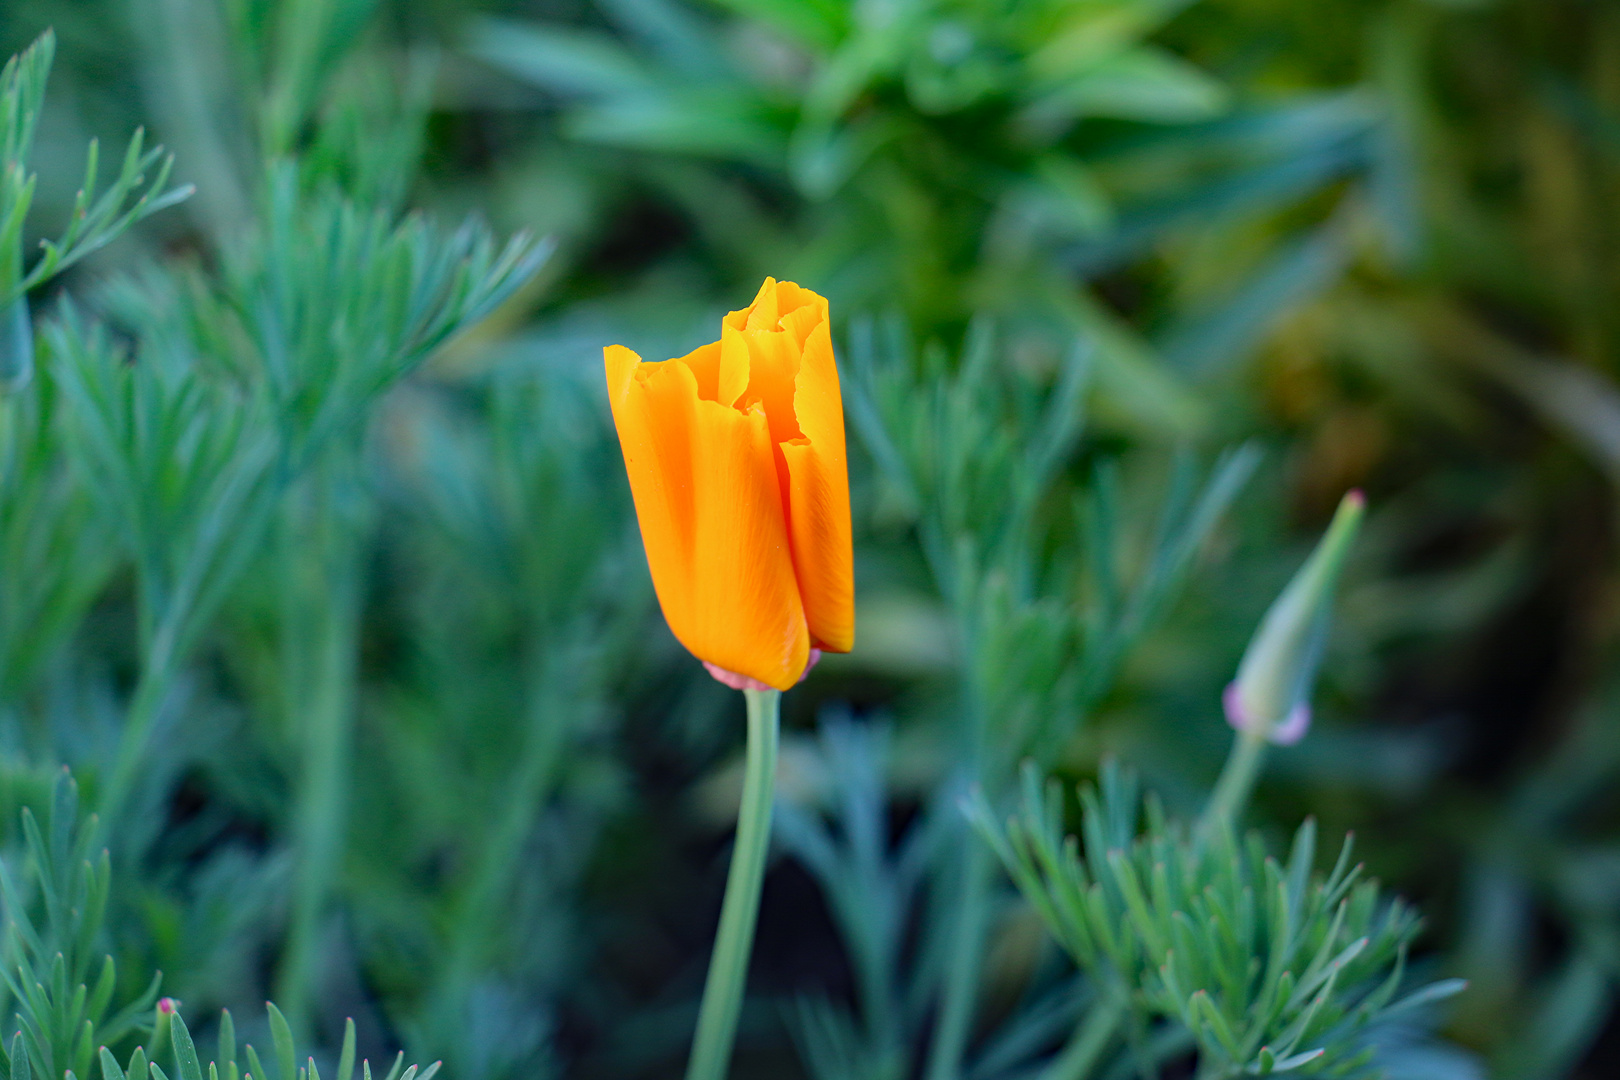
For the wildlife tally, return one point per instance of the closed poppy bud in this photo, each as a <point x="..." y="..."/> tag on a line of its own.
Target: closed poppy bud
<point x="735" y="455"/>
<point x="1271" y="695"/>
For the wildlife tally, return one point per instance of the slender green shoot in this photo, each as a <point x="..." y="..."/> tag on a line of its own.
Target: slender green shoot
<point x="728" y="968"/>
<point x="1236" y="782"/>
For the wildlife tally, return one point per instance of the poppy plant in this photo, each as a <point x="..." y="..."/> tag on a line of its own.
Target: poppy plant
<point x="735" y="454"/>
<point x="1269" y="701"/>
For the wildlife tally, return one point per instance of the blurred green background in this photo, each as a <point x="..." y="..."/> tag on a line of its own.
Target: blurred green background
<point x="318" y="567"/>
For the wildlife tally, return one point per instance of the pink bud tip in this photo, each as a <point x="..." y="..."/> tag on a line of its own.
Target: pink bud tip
<point x="1293" y="727"/>
<point x="1355" y="498"/>
<point x="744" y="682"/>
<point x="732" y="679"/>
<point x="166" y="1006"/>
<point x="1290" y="731"/>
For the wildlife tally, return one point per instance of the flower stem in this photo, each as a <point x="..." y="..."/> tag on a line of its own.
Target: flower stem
<point x="728" y="968"/>
<point x="1235" y="783"/>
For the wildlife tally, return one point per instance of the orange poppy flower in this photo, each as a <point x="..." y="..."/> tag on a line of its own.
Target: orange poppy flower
<point x="736" y="460"/>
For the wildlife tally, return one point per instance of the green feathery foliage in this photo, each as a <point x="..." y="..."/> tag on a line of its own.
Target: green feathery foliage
<point x="55" y="913"/>
<point x="1272" y="967"/>
<point x="95" y="219"/>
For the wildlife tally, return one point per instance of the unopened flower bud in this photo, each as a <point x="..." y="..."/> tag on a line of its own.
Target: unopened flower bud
<point x="1271" y="695"/>
<point x="166" y="1008"/>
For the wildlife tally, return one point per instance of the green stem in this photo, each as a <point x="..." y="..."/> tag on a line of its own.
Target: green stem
<point x="327" y="722"/>
<point x="321" y="598"/>
<point x="969" y="900"/>
<point x="1080" y="1056"/>
<point x="157" y="676"/>
<point x="1232" y="790"/>
<point x="962" y="977"/>
<point x="728" y="968"/>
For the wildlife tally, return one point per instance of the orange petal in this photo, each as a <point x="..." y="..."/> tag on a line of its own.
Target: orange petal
<point x="818" y="482"/>
<point x="722" y="374"/>
<point x="804" y="313"/>
<point x="761" y="314"/>
<point x="705" y="364"/>
<point x="709" y="504"/>
<point x="772" y="366"/>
